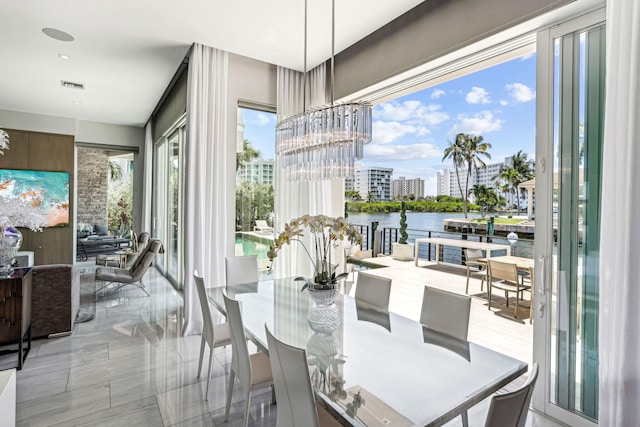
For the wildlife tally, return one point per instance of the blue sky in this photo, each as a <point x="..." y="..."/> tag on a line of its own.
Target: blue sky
<point x="410" y="133"/>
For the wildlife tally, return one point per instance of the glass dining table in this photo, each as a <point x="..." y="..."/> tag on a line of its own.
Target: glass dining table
<point x="371" y="367"/>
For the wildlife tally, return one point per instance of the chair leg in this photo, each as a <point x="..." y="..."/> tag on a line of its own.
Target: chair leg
<point x="506" y="297"/>
<point x="465" y="419"/>
<point x="516" y="315"/>
<point x="206" y="396"/>
<point x="202" y="341"/>
<point x="468" y="273"/>
<point x="247" y="401"/>
<point x="232" y="377"/>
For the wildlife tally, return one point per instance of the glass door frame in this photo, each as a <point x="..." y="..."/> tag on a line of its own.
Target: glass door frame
<point x="161" y="226"/>
<point x="543" y="336"/>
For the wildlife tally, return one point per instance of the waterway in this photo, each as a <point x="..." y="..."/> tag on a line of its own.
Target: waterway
<point x="428" y="221"/>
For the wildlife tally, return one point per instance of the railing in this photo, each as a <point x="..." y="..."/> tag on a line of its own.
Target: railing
<point x="449" y="254"/>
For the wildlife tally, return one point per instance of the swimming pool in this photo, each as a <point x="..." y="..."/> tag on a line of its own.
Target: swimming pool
<point x="250" y="244"/>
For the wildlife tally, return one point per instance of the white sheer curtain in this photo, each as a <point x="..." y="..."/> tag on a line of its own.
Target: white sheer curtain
<point x="620" y="231"/>
<point x="296" y="198"/>
<point x="206" y="218"/>
<point x="145" y="224"/>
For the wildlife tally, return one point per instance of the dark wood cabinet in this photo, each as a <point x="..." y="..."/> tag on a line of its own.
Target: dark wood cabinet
<point x="15" y="312"/>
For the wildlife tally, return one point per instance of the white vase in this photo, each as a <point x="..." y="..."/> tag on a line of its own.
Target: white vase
<point x="10" y="241"/>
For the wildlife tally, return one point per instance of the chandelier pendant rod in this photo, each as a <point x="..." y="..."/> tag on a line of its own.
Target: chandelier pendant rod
<point x="304" y="78"/>
<point x="333" y="45"/>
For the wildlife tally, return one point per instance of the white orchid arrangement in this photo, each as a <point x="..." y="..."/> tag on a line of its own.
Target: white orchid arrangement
<point x="4" y="141"/>
<point x="325" y="232"/>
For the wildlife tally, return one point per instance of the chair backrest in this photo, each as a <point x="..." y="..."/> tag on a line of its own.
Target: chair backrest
<point x="240" y="359"/>
<point x="472" y="254"/>
<point x="446" y="312"/>
<point x="261" y="223"/>
<point x="503" y="270"/>
<point x="207" y="331"/>
<point x="294" y="393"/>
<point x="241" y="269"/>
<point x="511" y="409"/>
<point x="145" y="259"/>
<point x="374" y="290"/>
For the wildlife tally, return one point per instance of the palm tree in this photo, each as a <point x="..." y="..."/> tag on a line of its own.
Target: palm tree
<point x="467" y="151"/>
<point x="247" y="154"/>
<point x="515" y="173"/>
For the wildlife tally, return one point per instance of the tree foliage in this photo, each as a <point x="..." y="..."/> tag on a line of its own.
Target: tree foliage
<point x="403" y="224"/>
<point x="253" y="201"/>
<point x="247" y="154"/>
<point x="519" y="170"/>
<point x="467" y="151"/>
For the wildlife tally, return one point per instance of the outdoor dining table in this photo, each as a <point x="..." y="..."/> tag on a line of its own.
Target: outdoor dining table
<point x="373" y="367"/>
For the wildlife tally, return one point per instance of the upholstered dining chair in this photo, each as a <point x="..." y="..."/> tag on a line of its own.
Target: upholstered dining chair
<point x="374" y="290"/>
<point x="241" y="269"/>
<point x="475" y="267"/>
<point x="294" y="392"/>
<point x="133" y="275"/>
<point x="504" y="276"/>
<point x="512" y="408"/>
<point x="446" y="312"/>
<point x="252" y="370"/>
<point x="213" y="335"/>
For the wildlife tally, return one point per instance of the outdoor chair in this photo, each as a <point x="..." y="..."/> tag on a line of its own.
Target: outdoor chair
<point x="475" y="267"/>
<point x="262" y="227"/>
<point x="373" y="290"/>
<point x="252" y="370"/>
<point x="212" y="335"/>
<point x="294" y="392"/>
<point x="512" y="408"/>
<point x="507" y="280"/>
<point x="133" y="275"/>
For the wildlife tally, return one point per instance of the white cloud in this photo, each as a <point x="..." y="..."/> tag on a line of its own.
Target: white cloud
<point x="504" y="102"/>
<point x="412" y="111"/>
<point x="402" y="152"/>
<point x="261" y="120"/>
<point x="437" y="93"/>
<point x="477" y="124"/>
<point x="520" y="93"/>
<point x="478" y="96"/>
<point x="386" y="132"/>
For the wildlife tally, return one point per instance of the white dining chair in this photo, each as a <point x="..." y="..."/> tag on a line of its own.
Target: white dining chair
<point x="512" y="408"/>
<point x="294" y="393"/>
<point x="446" y="312"/>
<point x="252" y="370"/>
<point x="374" y="290"/>
<point x="241" y="269"/>
<point x="212" y="335"/>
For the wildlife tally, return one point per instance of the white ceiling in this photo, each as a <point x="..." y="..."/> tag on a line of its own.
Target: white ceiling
<point x="126" y="51"/>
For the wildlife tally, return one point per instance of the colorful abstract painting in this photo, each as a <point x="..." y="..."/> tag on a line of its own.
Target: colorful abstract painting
<point x="40" y="192"/>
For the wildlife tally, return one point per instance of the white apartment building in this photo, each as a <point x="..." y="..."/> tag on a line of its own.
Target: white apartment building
<point x="447" y="183"/>
<point x="403" y="187"/>
<point x="258" y="170"/>
<point x="376" y="180"/>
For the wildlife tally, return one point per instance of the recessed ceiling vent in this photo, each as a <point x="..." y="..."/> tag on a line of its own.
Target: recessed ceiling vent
<point x="72" y="85"/>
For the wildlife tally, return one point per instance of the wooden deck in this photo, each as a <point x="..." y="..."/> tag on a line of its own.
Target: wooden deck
<point x="495" y="328"/>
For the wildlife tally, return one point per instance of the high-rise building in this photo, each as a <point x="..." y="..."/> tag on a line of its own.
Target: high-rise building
<point x="403" y="187"/>
<point x="448" y="179"/>
<point x="257" y="170"/>
<point x="376" y="180"/>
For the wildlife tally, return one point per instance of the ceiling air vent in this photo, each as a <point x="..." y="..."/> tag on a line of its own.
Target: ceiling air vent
<point x="72" y="85"/>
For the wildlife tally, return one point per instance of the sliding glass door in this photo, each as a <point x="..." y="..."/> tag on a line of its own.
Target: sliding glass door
<point x="571" y="139"/>
<point x="168" y="193"/>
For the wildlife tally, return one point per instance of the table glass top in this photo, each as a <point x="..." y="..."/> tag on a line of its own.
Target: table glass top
<point x="374" y="367"/>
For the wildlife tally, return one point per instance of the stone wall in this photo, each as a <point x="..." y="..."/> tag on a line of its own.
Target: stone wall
<point x="92" y="186"/>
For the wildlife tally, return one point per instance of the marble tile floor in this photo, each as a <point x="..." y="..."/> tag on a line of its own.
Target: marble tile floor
<point x="130" y="366"/>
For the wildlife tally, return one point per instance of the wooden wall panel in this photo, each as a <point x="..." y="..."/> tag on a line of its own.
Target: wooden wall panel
<point x="48" y="152"/>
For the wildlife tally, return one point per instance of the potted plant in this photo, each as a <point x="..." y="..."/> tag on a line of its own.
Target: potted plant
<point x="325" y="232"/>
<point x="403" y="251"/>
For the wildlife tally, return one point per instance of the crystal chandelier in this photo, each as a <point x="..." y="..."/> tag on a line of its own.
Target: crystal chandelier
<point x="324" y="142"/>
